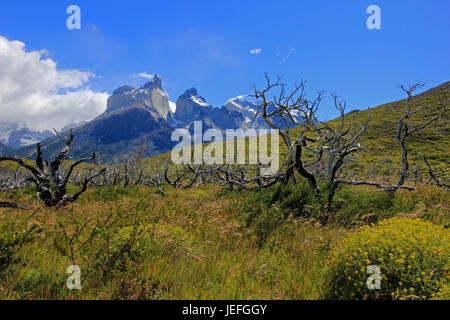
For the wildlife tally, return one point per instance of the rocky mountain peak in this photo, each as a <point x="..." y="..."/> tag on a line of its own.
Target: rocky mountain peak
<point x="189" y="105"/>
<point x="150" y="96"/>
<point x="156" y="83"/>
<point x="188" y="93"/>
<point x="123" y="90"/>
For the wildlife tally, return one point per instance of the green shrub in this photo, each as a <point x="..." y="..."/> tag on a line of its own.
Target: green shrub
<point x="288" y="199"/>
<point x="13" y="236"/>
<point x="6" y="251"/>
<point x="349" y="202"/>
<point x="413" y="256"/>
<point x="41" y="284"/>
<point x="263" y="210"/>
<point x="111" y="193"/>
<point x="117" y="252"/>
<point x="28" y="190"/>
<point x="118" y="257"/>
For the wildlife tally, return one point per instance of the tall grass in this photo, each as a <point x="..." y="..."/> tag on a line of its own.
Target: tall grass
<point x="133" y="243"/>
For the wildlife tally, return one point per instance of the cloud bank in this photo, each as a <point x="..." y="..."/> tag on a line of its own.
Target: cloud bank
<point x="33" y="91"/>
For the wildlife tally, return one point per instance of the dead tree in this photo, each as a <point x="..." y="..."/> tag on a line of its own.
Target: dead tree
<point x="196" y="173"/>
<point x="433" y="177"/>
<point x="327" y="144"/>
<point x="12" y="205"/>
<point x="13" y="181"/>
<point x="331" y="147"/>
<point x="156" y="178"/>
<point x="177" y="177"/>
<point x="50" y="179"/>
<point x="404" y="130"/>
<point x="284" y="108"/>
<point x="238" y="177"/>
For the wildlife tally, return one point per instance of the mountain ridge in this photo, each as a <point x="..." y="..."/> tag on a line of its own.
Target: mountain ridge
<point x="136" y="116"/>
<point x="18" y="135"/>
<point x="123" y="127"/>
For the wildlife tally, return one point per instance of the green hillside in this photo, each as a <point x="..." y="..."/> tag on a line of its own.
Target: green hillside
<point x="432" y="141"/>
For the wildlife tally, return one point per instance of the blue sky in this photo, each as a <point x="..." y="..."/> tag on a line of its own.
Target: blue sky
<point x="207" y="44"/>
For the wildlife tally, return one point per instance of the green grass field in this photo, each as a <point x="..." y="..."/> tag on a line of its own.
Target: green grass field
<point x="207" y="243"/>
<point x="200" y="243"/>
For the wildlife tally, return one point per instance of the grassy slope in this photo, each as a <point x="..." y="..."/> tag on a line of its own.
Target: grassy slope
<point x="222" y="263"/>
<point x="219" y="260"/>
<point x="433" y="141"/>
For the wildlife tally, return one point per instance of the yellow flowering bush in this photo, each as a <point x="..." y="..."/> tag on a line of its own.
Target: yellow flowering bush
<point x="413" y="257"/>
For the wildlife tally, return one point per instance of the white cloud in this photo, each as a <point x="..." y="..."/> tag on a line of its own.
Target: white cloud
<point x="144" y="75"/>
<point x="287" y="52"/>
<point x="33" y="91"/>
<point x="256" y="51"/>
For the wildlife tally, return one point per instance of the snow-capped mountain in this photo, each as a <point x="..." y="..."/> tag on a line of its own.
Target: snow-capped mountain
<point x="239" y="104"/>
<point x="17" y="135"/>
<point x="134" y="116"/>
<point x="189" y="105"/>
<point x="248" y="110"/>
<point x="145" y="115"/>
<point x="150" y="96"/>
<point x="247" y="106"/>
